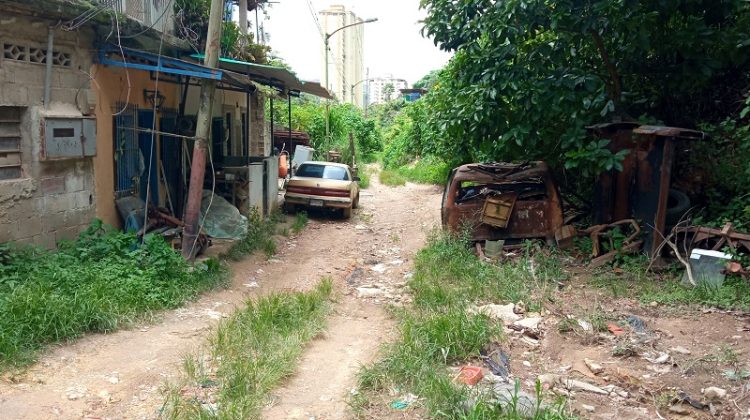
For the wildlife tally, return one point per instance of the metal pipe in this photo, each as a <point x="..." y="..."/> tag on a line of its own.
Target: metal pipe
<point x="271" y="99"/>
<point x="48" y="73"/>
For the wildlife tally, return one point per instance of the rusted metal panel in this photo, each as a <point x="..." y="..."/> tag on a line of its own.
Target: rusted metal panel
<point x="641" y="189"/>
<point x="537" y="212"/>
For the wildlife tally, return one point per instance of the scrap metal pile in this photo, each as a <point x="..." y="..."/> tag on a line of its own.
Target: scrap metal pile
<point x="636" y="209"/>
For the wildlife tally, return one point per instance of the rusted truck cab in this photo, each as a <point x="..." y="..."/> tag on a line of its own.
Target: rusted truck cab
<point x="527" y="191"/>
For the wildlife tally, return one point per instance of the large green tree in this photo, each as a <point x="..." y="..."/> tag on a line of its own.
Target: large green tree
<point x="528" y="75"/>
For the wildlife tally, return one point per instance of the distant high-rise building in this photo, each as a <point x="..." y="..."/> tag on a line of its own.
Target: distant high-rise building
<point x="345" y="56"/>
<point x="380" y="91"/>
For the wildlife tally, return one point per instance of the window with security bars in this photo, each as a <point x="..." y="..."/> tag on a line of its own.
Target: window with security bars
<point x="10" y="142"/>
<point x="128" y="158"/>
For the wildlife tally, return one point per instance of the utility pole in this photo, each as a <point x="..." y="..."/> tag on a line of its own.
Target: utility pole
<point x="198" y="169"/>
<point x="243" y="17"/>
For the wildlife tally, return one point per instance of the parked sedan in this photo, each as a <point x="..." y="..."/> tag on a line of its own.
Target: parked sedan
<point x="323" y="185"/>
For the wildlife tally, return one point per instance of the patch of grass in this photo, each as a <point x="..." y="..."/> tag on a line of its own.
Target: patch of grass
<point x="391" y="178"/>
<point x="249" y="354"/>
<point x="668" y="289"/>
<point x="426" y="171"/>
<point x="259" y="237"/>
<point x="364" y="178"/>
<point x="437" y="330"/>
<point x="103" y="280"/>
<point x="300" y="221"/>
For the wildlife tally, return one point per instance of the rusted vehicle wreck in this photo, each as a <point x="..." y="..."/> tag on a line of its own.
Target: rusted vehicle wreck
<point x="503" y="201"/>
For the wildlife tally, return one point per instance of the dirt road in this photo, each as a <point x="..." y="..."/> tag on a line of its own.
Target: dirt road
<point x="121" y="375"/>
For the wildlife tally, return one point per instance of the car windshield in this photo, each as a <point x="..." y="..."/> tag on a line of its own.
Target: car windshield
<point x="323" y="171"/>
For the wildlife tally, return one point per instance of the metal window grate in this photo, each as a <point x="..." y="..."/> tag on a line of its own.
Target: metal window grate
<point x="128" y="158"/>
<point x="10" y="142"/>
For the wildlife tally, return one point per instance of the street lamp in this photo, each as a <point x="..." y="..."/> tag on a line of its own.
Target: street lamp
<point x="326" y="39"/>
<point x="355" y="85"/>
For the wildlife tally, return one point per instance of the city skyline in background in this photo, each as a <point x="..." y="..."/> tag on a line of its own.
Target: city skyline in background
<point x="393" y="47"/>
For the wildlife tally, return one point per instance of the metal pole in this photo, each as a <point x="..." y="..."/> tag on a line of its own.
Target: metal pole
<point x="243" y="17"/>
<point x="289" y="104"/>
<point x="48" y="73"/>
<point x="203" y="125"/>
<point x="328" y="101"/>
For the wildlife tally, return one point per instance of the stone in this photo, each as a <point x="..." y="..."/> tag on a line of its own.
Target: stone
<point x="526" y="363"/>
<point x="500" y="312"/>
<point x="369" y="292"/>
<point x="680" y="409"/>
<point x="714" y="393"/>
<point x="594" y="367"/>
<point x="530" y="323"/>
<point x="379" y="268"/>
<point x="520" y="308"/>
<point x="680" y="349"/>
<point x="75" y="393"/>
<point x="589" y="408"/>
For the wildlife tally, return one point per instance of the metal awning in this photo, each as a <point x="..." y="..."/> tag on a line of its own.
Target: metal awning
<point x="273" y="76"/>
<point x="141" y="60"/>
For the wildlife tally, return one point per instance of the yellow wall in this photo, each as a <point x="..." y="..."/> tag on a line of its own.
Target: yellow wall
<point x="111" y="87"/>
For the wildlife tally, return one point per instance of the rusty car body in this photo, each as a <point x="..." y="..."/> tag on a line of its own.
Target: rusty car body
<point x="323" y="185"/>
<point x="525" y="194"/>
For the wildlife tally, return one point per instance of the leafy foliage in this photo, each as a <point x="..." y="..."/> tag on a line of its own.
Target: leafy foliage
<point x="528" y="76"/>
<point x="310" y="116"/>
<point x="98" y="282"/>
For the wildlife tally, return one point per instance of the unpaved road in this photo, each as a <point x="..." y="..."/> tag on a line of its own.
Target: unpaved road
<point x="121" y="375"/>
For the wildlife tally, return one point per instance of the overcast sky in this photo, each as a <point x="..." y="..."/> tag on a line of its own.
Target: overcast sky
<point x="393" y="44"/>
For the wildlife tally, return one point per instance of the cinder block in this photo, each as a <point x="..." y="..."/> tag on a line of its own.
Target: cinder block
<point x="15" y="94"/>
<point x="67" y="234"/>
<point x="59" y="202"/>
<point x="83" y="200"/>
<point x="28" y="227"/>
<point x="30" y="76"/>
<point x="6" y="232"/>
<point x="74" y="181"/>
<point x="55" y="185"/>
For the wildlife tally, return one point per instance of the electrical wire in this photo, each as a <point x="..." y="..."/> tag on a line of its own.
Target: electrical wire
<point x="125" y="64"/>
<point x="151" y="147"/>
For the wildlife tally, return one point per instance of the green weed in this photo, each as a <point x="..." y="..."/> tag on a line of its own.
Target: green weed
<point x="437" y="330"/>
<point x="259" y="237"/>
<point x="364" y="178"/>
<point x="250" y="353"/>
<point x="391" y="178"/>
<point x="300" y="221"/>
<point x="429" y="170"/>
<point x="103" y="280"/>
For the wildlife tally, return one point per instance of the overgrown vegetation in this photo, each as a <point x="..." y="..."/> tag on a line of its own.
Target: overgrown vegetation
<point x="259" y="237"/>
<point x="438" y="330"/>
<point x="300" y="221"/>
<point x="633" y="280"/>
<point x="391" y="178"/>
<point x="103" y="280"/>
<point x="248" y="355"/>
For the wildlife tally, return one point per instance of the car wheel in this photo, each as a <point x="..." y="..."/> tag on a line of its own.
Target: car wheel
<point x="677" y="205"/>
<point x="346" y="213"/>
<point x="290" y="208"/>
<point x="355" y="204"/>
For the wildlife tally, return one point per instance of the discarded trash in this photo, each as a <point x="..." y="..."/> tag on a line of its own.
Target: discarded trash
<point x="594" y="367"/>
<point x="637" y="324"/>
<point x="503" y="312"/>
<point x="220" y="219"/>
<point x="615" y="329"/>
<point x="251" y="285"/>
<point x="531" y="323"/>
<point x="470" y="375"/>
<point x="683" y="396"/>
<point x="707" y="266"/>
<point x="585" y="325"/>
<point x="714" y="393"/>
<point x="680" y="349"/>
<point x="498" y="363"/>
<point x="556" y="381"/>
<point x="657" y="360"/>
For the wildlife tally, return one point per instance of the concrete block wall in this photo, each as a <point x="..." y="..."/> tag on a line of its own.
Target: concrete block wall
<point x="54" y="199"/>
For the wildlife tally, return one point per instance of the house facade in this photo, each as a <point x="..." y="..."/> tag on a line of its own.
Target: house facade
<point x="113" y="117"/>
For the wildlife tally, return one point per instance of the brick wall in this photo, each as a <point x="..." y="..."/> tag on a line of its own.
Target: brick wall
<point x="53" y="199"/>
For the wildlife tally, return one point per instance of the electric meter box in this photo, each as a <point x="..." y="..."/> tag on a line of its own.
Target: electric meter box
<point x="69" y="138"/>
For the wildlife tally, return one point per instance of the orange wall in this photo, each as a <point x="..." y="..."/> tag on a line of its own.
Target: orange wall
<point x="111" y="87"/>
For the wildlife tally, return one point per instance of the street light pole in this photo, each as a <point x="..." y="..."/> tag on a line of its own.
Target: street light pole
<point x="326" y="39"/>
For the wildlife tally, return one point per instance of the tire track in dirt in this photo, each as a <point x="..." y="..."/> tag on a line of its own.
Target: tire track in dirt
<point x="120" y="375"/>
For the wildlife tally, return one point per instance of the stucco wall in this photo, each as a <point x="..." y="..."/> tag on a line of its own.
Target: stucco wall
<point x="111" y="91"/>
<point x="54" y="199"/>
